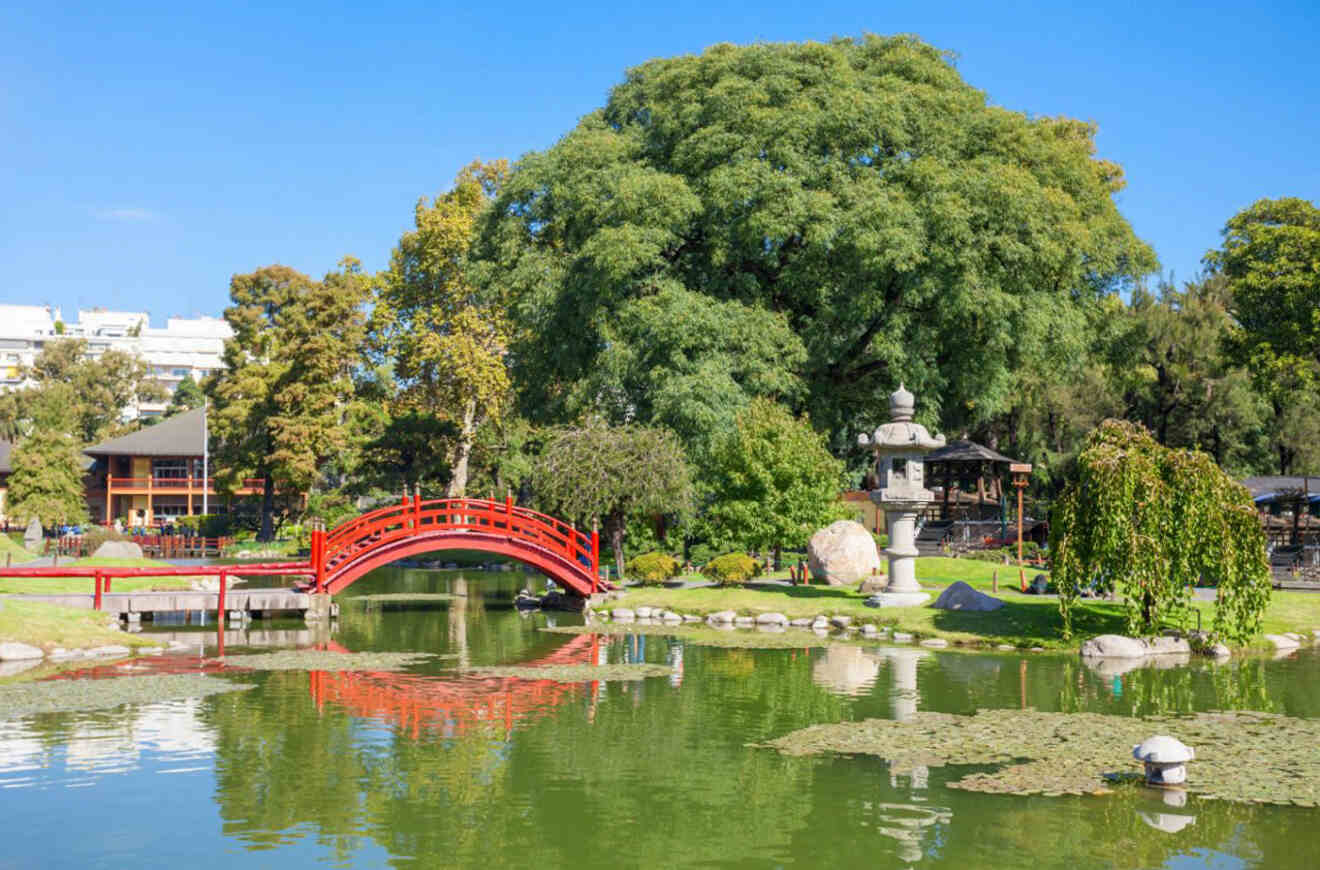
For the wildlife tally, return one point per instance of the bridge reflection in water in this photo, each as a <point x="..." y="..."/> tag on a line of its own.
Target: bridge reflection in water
<point x="452" y="706"/>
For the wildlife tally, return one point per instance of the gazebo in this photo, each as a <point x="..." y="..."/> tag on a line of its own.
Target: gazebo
<point x="969" y="464"/>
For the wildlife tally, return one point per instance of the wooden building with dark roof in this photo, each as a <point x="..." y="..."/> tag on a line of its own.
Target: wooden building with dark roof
<point x="155" y="474"/>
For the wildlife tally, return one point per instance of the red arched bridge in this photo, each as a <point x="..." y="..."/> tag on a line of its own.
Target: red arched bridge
<point x="563" y="553"/>
<point x="340" y="556"/>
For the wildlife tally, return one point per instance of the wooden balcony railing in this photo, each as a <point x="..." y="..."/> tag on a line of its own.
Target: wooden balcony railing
<point x="178" y="484"/>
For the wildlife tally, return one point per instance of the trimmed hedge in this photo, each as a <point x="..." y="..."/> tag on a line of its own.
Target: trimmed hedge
<point x="732" y="569"/>
<point x="653" y="568"/>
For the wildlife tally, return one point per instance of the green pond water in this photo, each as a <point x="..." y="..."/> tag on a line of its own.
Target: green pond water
<point x="429" y="767"/>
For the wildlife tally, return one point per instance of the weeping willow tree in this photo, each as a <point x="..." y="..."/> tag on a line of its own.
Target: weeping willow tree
<point x="1148" y="522"/>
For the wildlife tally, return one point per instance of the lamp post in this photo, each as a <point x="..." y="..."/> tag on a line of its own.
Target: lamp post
<point x="1021" y="472"/>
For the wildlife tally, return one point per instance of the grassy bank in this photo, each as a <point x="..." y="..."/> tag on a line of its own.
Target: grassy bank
<point x="13" y="551"/>
<point x="1023" y="621"/>
<point x="47" y="626"/>
<point x="63" y="585"/>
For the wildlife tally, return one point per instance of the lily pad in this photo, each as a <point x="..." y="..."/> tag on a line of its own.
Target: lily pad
<point x="69" y="696"/>
<point x="1246" y="757"/>
<point x="322" y="660"/>
<point x="573" y="673"/>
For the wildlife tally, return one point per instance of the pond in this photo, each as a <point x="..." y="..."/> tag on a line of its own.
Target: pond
<point x="437" y="765"/>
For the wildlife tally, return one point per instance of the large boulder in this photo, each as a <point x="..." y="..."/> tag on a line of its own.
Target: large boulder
<point x="842" y="554"/>
<point x="960" y="596"/>
<point x="118" y="550"/>
<point x="34" y="535"/>
<point x="1114" y="646"/>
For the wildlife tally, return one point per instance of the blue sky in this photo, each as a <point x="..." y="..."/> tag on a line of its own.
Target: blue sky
<point x="151" y="151"/>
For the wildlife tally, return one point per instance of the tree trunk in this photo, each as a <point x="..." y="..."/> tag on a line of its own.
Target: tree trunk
<point x="614" y="527"/>
<point x="779" y="557"/>
<point x="267" y="532"/>
<point x="458" y="477"/>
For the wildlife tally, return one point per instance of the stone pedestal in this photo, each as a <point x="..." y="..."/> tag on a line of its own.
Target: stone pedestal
<point x="901" y="520"/>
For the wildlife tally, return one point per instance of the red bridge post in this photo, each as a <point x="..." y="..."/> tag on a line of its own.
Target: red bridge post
<point x="97" y="603"/>
<point x="595" y="555"/>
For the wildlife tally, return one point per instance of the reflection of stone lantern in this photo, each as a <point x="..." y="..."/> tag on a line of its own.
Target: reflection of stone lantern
<point x="900" y="446"/>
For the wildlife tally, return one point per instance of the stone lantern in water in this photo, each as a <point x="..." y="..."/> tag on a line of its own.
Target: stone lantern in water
<point x="900" y="447"/>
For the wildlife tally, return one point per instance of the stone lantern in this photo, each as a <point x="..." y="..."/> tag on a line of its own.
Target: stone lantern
<point x="900" y="447"/>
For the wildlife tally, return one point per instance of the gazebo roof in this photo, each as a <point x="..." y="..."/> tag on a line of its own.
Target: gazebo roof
<point x="965" y="451"/>
<point x="181" y="435"/>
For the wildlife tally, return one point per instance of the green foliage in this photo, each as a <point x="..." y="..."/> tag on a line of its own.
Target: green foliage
<point x="732" y="569"/>
<point x="614" y="473"/>
<point x="1149" y="523"/>
<point x="279" y="404"/>
<point x="187" y="396"/>
<point x="847" y="193"/>
<point x="95" y="536"/>
<point x="446" y="339"/>
<point x="771" y="481"/>
<point x="653" y="568"/>
<point x="47" y="478"/>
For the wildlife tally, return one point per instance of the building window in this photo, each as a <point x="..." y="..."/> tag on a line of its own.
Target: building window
<point x="169" y="469"/>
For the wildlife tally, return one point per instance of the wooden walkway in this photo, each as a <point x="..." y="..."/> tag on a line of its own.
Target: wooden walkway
<point x="124" y="603"/>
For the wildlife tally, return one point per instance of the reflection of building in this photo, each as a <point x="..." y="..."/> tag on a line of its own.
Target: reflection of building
<point x="185" y="347"/>
<point x="154" y="474"/>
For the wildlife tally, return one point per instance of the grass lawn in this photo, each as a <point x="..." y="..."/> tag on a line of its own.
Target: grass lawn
<point x="14" y="551"/>
<point x="61" y="585"/>
<point x="1023" y="621"/>
<point x="46" y="625"/>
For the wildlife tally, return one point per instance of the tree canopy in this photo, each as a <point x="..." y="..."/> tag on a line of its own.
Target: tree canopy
<point x="771" y="481"/>
<point x="854" y="204"/>
<point x="613" y="473"/>
<point x="47" y="478"/>
<point x="279" y="404"/>
<point x="1149" y="523"/>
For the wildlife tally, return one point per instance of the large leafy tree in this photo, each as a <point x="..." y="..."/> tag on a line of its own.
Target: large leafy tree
<point x="103" y="387"/>
<point x="187" y="396"/>
<point x="772" y="481"/>
<point x="280" y="403"/>
<point x="613" y="473"/>
<point x="1271" y="259"/>
<point x="1150" y="522"/>
<point x="447" y="338"/>
<point x="859" y="193"/>
<point x="47" y="478"/>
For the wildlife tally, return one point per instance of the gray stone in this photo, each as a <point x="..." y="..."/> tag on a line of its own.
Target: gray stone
<point x="771" y="619"/>
<point x="1220" y="651"/>
<point x="118" y="550"/>
<point x="12" y="651"/>
<point x="1040" y="584"/>
<point x="109" y="650"/>
<point x="872" y="585"/>
<point x="1158" y="646"/>
<point x="725" y="617"/>
<point x="960" y="596"/>
<point x="671" y="616"/>
<point x="744" y="621"/>
<point x="820" y="622"/>
<point x="1165" y="759"/>
<point x="868" y="629"/>
<point x="902" y="637"/>
<point x="842" y="554"/>
<point x="1005" y="646"/>
<point x="771" y="628"/>
<point x="840" y="621"/>
<point x="935" y="642"/>
<point x="645" y="612"/>
<point x="801" y="622"/>
<point x="691" y="617"/>
<point x="1113" y="646"/>
<point x="624" y="614"/>
<point x="1282" y="642"/>
<point x="34" y="536"/>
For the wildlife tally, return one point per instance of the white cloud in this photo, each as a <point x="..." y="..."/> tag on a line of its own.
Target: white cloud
<point x="125" y="215"/>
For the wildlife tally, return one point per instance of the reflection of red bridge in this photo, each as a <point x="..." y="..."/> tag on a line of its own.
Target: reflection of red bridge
<point x="453" y="705"/>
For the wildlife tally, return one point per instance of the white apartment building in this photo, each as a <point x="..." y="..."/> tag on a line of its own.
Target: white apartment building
<point x="186" y="346"/>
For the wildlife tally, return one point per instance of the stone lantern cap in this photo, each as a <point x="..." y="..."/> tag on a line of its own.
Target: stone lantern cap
<point x="1162" y="749"/>
<point x="901" y="434"/>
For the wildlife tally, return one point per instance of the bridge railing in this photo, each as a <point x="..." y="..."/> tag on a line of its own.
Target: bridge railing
<point x="414" y="516"/>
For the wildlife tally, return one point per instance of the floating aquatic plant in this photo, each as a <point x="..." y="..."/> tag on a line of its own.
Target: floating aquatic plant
<point x="573" y="673"/>
<point x="1248" y="757"/>
<point x="70" y="696"/>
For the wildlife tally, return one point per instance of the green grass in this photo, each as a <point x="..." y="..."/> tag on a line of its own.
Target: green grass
<point x="67" y="585"/>
<point x="1023" y="621"/>
<point x="14" y="551"/>
<point x="47" y="625"/>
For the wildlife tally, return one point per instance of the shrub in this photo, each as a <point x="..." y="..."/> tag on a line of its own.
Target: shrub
<point x="95" y="536"/>
<point x="700" y="554"/>
<point x="653" y="568"/>
<point x="732" y="569"/>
